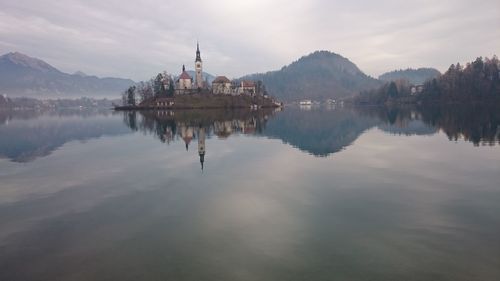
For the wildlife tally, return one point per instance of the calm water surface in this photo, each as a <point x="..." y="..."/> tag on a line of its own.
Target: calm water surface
<point x="303" y="194"/>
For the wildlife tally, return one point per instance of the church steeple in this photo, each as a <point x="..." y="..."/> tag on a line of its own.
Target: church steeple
<point x="198" y="66"/>
<point x="198" y="55"/>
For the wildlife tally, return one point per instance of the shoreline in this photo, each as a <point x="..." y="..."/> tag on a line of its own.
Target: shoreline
<point x="200" y="101"/>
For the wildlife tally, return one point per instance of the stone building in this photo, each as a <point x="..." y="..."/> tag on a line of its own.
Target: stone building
<point x="247" y="87"/>
<point x="221" y="86"/>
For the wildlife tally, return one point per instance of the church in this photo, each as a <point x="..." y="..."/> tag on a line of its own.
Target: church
<point x="185" y="83"/>
<point x="221" y="85"/>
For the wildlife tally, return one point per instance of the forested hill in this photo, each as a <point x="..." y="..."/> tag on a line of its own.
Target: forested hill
<point x="477" y="82"/>
<point x="414" y="76"/>
<point x="318" y="76"/>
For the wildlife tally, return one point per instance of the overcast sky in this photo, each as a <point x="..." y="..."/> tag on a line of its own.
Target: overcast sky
<point x="136" y="39"/>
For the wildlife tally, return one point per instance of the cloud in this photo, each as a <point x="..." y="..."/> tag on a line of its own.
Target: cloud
<point x="137" y="40"/>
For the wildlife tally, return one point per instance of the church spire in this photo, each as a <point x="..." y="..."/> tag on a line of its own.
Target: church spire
<point x="198" y="56"/>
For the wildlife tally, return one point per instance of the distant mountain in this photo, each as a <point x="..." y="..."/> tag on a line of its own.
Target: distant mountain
<point x="206" y="75"/>
<point x="80" y="73"/>
<point x="21" y="75"/>
<point x="320" y="75"/>
<point x="414" y="76"/>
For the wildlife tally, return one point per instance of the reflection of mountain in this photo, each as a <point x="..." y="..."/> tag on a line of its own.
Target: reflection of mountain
<point x="409" y="128"/>
<point x="319" y="132"/>
<point x="23" y="140"/>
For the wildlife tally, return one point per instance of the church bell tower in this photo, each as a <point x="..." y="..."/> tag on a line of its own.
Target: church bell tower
<point x="198" y="66"/>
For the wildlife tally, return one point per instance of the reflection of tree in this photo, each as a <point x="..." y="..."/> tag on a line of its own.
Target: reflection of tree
<point x="130" y="119"/>
<point x="477" y="124"/>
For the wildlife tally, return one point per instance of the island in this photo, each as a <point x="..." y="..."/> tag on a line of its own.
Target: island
<point x="183" y="92"/>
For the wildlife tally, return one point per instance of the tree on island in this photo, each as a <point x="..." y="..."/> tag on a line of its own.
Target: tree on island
<point x="158" y="86"/>
<point x="145" y="90"/>
<point x="171" y="89"/>
<point x="129" y="96"/>
<point x="392" y="92"/>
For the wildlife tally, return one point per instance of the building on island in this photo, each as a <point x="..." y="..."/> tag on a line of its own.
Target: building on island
<point x="247" y="87"/>
<point x="184" y="83"/>
<point x="221" y="86"/>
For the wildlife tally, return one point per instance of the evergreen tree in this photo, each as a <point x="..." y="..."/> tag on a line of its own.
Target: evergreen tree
<point x="393" y="90"/>
<point x="131" y="95"/>
<point x="171" y="89"/>
<point x="158" y="87"/>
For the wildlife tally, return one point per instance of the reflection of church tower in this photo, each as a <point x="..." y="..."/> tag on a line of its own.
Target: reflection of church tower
<point x="201" y="145"/>
<point x="198" y="65"/>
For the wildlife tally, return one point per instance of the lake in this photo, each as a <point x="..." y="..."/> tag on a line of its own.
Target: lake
<point x="311" y="193"/>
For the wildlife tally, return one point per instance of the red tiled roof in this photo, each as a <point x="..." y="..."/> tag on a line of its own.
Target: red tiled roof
<point x="184" y="75"/>
<point x="221" y="79"/>
<point x="247" y="83"/>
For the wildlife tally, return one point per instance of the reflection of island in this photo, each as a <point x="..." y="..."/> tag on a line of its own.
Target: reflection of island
<point x="27" y="135"/>
<point x="197" y="125"/>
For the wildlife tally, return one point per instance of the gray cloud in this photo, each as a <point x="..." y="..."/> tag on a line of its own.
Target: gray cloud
<point x="137" y="40"/>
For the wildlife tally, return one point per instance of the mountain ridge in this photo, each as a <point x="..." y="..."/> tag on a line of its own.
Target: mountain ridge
<point x="22" y="75"/>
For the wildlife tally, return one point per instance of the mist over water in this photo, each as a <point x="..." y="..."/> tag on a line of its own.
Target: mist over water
<point x="317" y="194"/>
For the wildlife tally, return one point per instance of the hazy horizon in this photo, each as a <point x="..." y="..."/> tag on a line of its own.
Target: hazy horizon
<point x="136" y="41"/>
